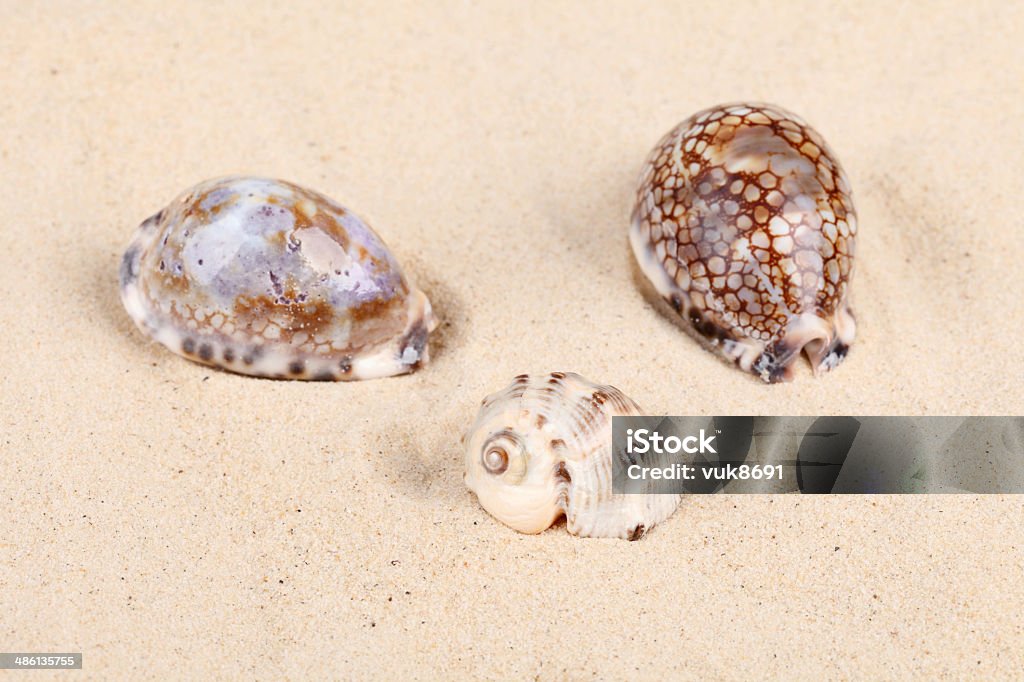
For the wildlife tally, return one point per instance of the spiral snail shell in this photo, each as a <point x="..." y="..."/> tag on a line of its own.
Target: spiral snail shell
<point x="541" y="449"/>
<point x="744" y="222"/>
<point x="263" y="277"/>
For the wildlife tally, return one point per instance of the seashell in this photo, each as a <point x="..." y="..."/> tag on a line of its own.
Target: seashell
<point x="263" y="277"/>
<point x="744" y="222"/>
<point x="542" y="448"/>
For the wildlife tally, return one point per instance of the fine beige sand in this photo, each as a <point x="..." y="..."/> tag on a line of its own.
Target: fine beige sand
<point x="173" y="521"/>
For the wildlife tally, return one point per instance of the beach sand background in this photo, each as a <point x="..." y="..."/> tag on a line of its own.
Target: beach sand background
<point x="169" y="520"/>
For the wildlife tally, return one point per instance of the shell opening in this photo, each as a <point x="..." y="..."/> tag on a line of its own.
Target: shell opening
<point x="823" y="342"/>
<point x="813" y="350"/>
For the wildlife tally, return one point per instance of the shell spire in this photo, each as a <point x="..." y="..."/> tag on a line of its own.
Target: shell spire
<point x="541" y="449"/>
<point x="744" y="223"/>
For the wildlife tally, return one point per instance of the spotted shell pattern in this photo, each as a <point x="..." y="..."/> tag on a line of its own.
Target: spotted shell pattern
<point x="744" y="222"/>
<point x="267" y="278"/>
<point x="541" y="449"/>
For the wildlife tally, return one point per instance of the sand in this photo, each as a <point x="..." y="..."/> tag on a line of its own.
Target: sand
<point x="172" y="521"/>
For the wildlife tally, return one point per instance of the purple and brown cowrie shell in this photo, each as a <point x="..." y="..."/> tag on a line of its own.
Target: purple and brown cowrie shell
<point x="266" y="278"/>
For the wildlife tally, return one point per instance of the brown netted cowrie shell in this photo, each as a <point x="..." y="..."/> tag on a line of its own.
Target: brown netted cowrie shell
<point x="744" y="222"/>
